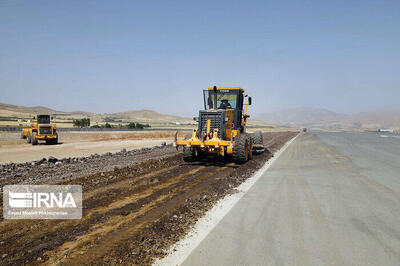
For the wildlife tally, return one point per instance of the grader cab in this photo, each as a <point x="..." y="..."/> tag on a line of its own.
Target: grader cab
<point x="222" y="128"/>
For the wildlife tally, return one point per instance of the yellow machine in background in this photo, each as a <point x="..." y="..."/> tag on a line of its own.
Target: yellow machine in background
<point x="222" y="127"/>
<point x="42" y="128"/>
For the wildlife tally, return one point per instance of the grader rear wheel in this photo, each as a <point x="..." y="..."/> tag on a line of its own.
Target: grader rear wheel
<point x="241" y="149"/>
<point x="258" y="139"/>
<point x="258" y="146"/>
<point x="251" y="141"/>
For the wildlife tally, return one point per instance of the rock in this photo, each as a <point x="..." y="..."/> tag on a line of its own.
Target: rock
<point x="155" y="181"/>
<point x="102" y="174"/>
<point x="33" y="163"/>
<point x="123" y="150"/>
<point x="164" y="144"/>
<point x="205" y="197"/>
<point x="17" y="175"/>
<point x="4" y="255"/>
<point x="52" y="159"/>
<point x="175" y="216"/>
<point x="58" y="163"/>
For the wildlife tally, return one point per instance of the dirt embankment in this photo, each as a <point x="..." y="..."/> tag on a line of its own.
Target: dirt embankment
<point x="132" y="214"/>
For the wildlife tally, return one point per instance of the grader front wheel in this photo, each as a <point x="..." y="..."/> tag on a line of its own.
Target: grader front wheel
<point x="34" y="140"/>
<point x="189" y="154"/>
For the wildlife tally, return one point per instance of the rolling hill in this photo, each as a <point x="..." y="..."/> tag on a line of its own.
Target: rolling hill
<point x="141" y="116"/>
<point x="148" y="116"/>
<point x="325" y="119"/>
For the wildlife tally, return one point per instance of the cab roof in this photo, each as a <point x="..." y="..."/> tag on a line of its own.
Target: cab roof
<point x="226" y="88"/>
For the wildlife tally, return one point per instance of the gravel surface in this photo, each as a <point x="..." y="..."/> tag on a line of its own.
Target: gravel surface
<point x="51" y="169"/>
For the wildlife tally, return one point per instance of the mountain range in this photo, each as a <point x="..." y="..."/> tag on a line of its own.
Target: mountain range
<point x="141" y="116"/>
<point x="316" y="118"/>
<point x="326" y="119"/>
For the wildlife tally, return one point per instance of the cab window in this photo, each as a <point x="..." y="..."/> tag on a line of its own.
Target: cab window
<point x="225" y="99"/>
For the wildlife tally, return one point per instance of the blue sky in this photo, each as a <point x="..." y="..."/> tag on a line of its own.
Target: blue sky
<point x="110" y="56"/>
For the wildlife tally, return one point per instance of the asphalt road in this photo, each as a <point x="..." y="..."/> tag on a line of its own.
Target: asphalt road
<point x="329" y="199"/>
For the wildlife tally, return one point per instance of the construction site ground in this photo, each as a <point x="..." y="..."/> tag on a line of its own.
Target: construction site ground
<point x="136" y="204"/>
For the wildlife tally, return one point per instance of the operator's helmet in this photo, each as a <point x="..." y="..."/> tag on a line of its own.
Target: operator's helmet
<point x="224" y="104"/>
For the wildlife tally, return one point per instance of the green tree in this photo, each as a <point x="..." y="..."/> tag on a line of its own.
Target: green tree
<point x="84" y="122"/>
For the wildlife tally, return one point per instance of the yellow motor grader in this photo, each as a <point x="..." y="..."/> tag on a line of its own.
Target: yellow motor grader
<point x="222" y="128"/>
<point x="42" y="128"/>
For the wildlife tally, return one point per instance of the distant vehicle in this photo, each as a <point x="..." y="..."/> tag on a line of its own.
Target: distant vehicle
<point x="387" y="130"/>
<point x="42" y="128"/>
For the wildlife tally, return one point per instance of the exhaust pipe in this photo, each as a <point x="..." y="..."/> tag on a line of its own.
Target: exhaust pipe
<point x="215" y="97"/>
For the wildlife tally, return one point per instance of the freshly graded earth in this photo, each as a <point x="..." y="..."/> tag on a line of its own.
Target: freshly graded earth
<point x="136" y="204"/>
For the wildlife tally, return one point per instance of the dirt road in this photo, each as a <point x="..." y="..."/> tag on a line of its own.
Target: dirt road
<point x="131" y="214"/>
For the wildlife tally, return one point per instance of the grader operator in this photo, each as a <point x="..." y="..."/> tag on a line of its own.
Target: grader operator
<point x="222" y="128"/>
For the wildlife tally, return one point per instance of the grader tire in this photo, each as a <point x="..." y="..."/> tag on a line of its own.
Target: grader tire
<point x="250" y="141"/>
<point x="22" y="135"/>
<point x="34" y="139"/>
<point x="258" y="146"/>
<point x="241" y="149"/>
<point x="258" y="139"/>
<point x="28" y="137"/>
<point x="189" y="155"/>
